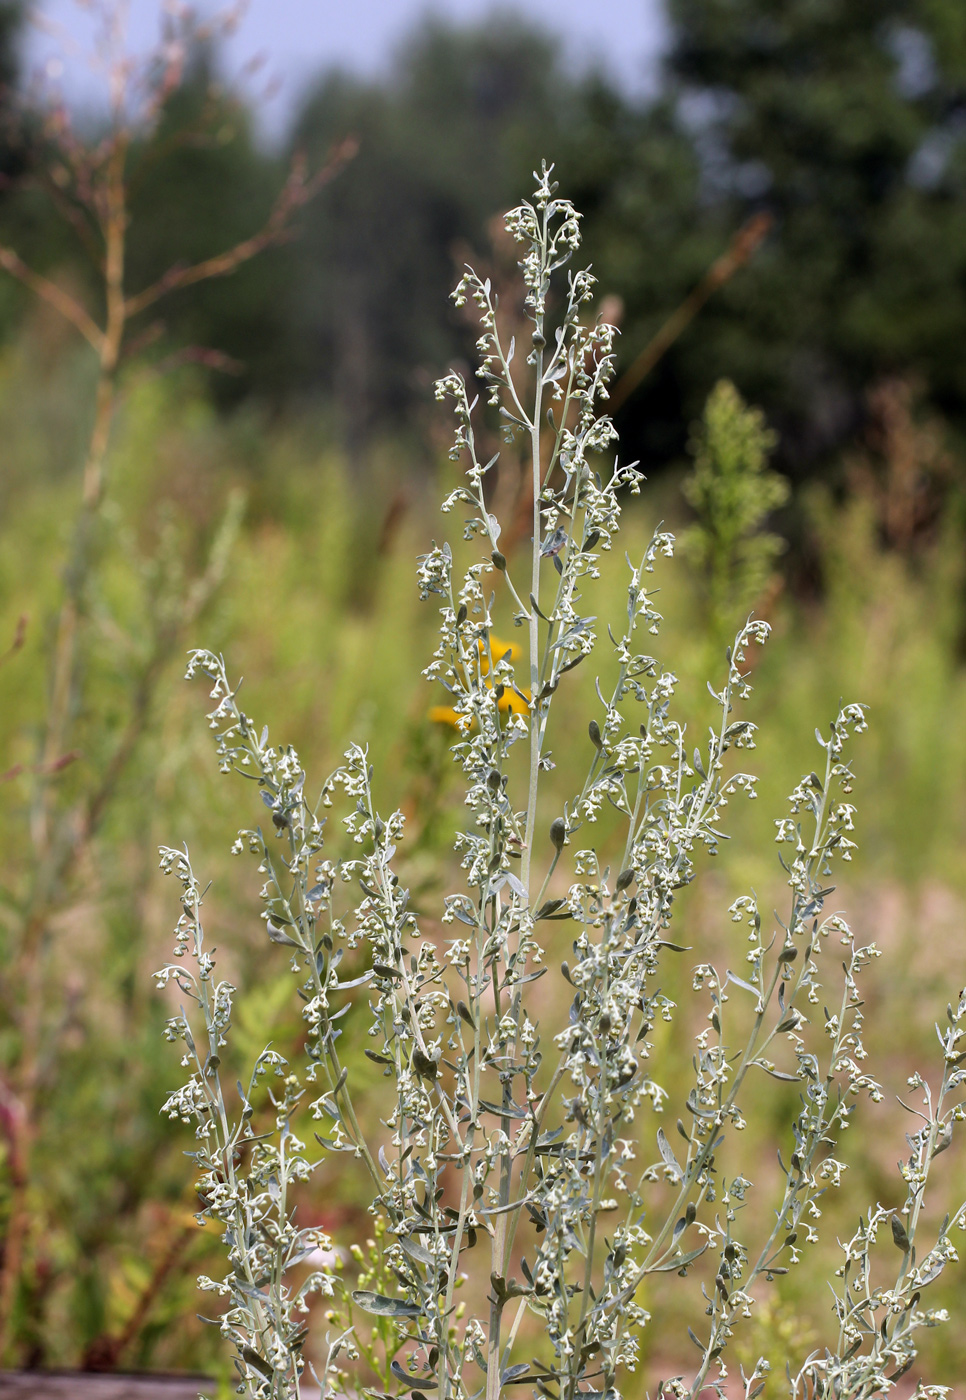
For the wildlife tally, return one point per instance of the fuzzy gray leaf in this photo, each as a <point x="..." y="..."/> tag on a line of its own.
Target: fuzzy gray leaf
<point x="667" y="1153"/>
<point x="381" y="1306"/>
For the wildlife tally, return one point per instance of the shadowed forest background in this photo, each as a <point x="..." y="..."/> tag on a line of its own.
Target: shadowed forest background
<point x="272" y="467"/>
<point x="843" y="125"/>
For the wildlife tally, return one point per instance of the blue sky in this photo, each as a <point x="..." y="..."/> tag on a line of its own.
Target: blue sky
<point x="296" y="38"/>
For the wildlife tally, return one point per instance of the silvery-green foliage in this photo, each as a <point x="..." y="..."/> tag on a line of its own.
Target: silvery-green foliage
<point x="544" y="1158"/>
<point x="245" y="1178"/>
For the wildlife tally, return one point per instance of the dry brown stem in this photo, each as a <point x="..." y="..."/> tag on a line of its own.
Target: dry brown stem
<point x="743" y="246"/>
<point x="106" y="1351"/>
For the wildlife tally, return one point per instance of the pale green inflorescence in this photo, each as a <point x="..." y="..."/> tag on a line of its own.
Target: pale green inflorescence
<point x="507" y="1143"/>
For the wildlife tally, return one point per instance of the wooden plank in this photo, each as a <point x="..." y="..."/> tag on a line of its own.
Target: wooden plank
<point x="81" y="1385"/>
<point x="66" y="1385"/>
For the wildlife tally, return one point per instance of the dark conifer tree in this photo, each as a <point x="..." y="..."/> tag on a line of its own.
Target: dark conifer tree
<point x="848" y="123"/>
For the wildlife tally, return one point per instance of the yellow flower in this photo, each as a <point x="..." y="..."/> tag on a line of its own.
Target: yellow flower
<point x="498" y="650"/>
<point x="509" y="703"/>
<point x="443" y="714"/>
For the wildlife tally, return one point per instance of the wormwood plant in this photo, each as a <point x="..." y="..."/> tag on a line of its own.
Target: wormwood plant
<point x="524" y="1154"/>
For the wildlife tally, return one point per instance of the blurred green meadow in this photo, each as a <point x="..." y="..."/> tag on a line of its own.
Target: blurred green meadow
<point x="318" y="610"/>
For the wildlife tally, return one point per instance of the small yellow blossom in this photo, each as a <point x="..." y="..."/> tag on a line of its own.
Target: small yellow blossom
<point x="443" y="714"/>
<point x="498" y="650"/>
<point x="509" y="703"/>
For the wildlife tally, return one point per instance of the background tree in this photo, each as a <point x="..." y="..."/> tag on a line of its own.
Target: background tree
<point x="464" y="116"/>
<point x="846" y="122"/>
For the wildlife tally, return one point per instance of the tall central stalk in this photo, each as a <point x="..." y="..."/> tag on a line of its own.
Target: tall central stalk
<point x="534" y="625"/>
<point x="503" y="1222"/>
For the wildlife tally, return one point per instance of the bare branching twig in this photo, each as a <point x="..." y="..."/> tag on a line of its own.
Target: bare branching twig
<point x="92" y="190"/>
